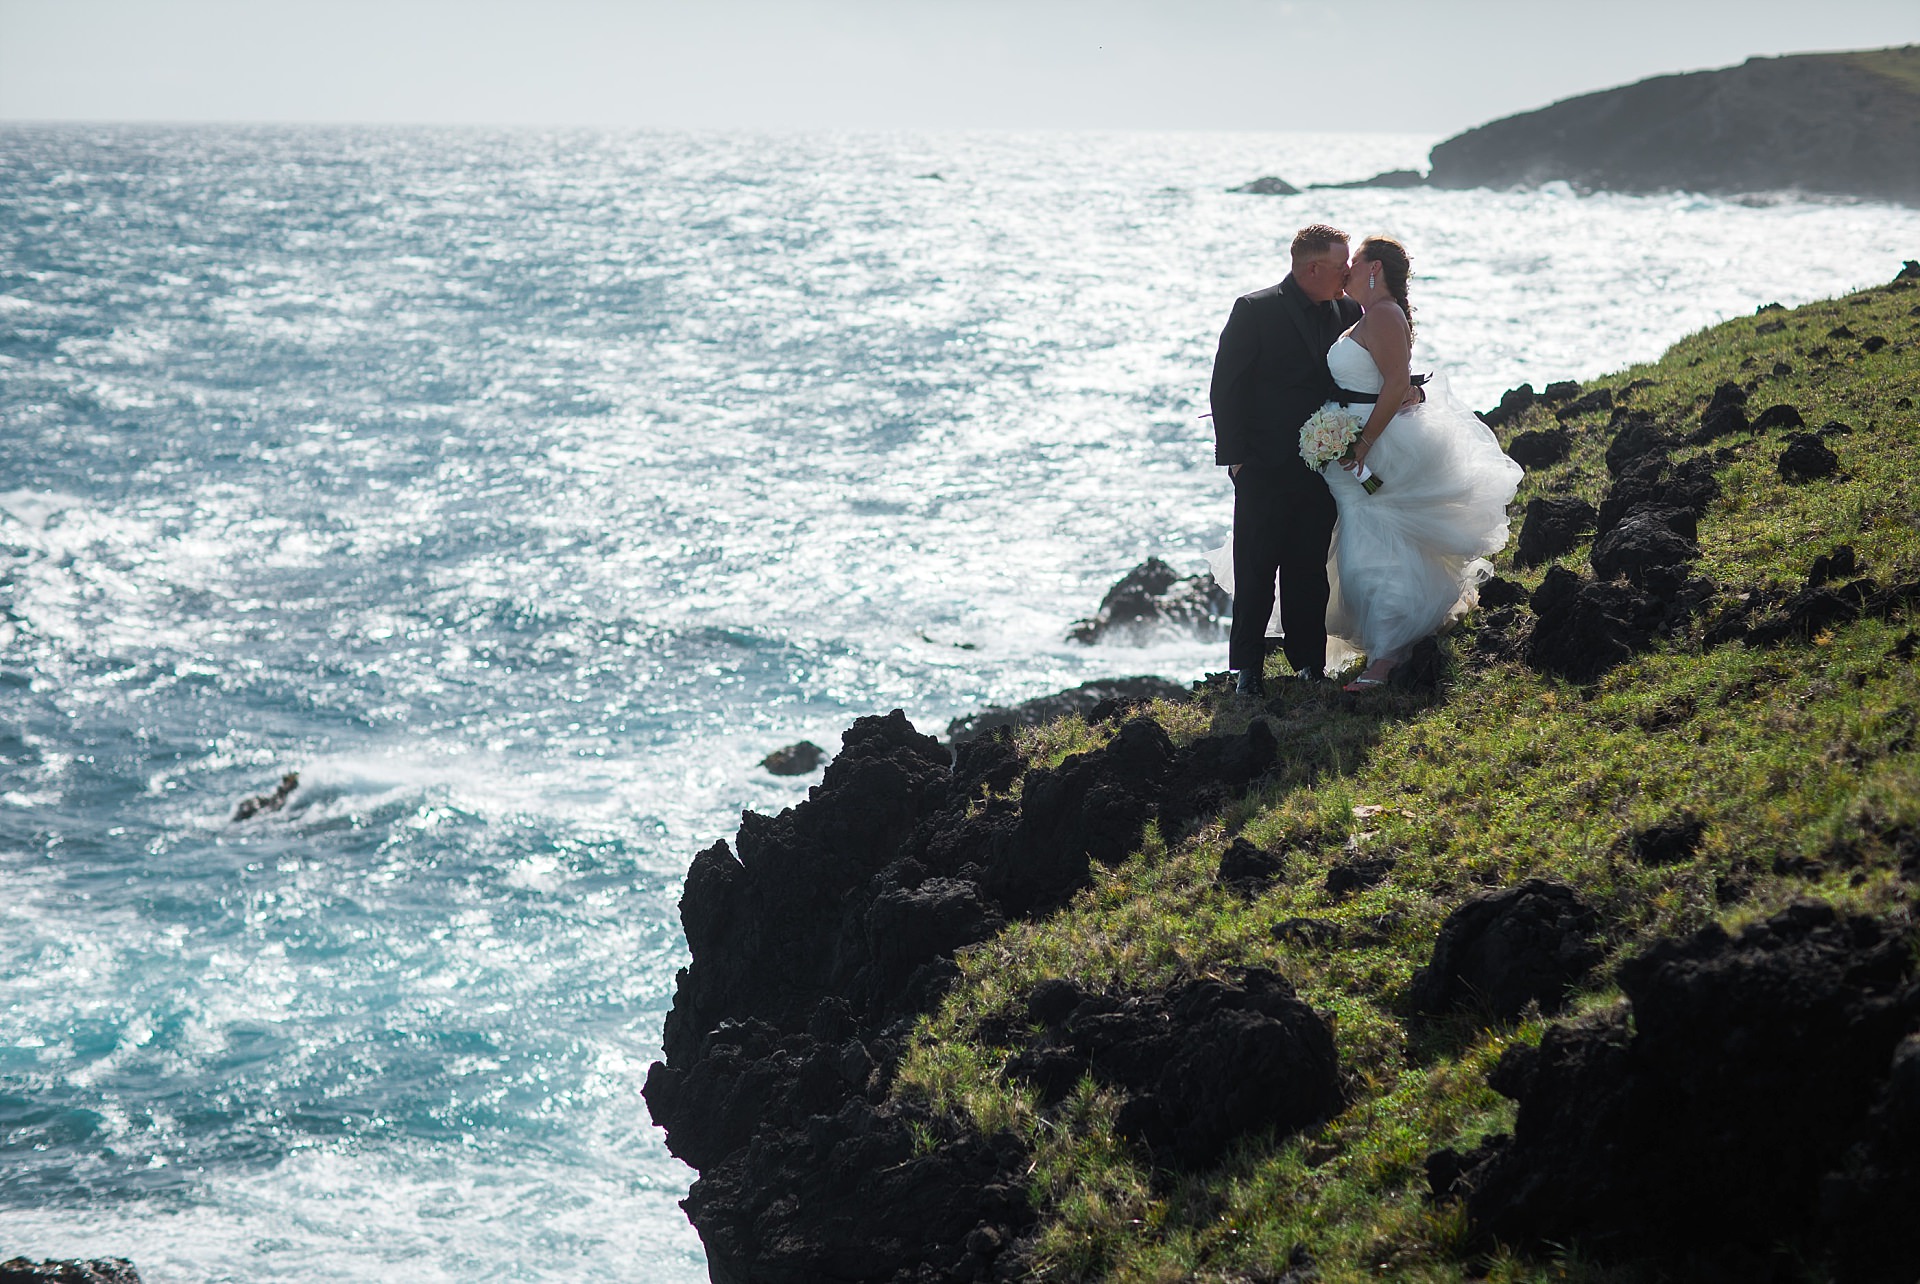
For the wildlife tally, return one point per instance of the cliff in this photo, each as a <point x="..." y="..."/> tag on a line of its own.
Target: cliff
<point x="1585" y="951"/>
<point x="1838" y="123"/>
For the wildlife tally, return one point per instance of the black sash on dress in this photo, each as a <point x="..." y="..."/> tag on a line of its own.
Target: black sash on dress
<point x="1348" y="397"/>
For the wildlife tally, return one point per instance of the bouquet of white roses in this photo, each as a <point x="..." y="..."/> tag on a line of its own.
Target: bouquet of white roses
<point x="1328" y="436"/>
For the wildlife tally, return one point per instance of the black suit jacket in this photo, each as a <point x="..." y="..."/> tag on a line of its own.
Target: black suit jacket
<point x="1271" y="374"/>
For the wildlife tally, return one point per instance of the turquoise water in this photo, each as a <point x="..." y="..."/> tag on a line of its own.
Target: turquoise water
<point x="520" y="491"/>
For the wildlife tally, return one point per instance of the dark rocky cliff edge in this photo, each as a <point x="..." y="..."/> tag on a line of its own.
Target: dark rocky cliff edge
<point x="1584" y="951"/>
<point x="1836" y="123"/>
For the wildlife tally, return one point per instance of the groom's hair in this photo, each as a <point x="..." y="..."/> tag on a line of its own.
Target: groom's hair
<point x="1315" y="239"/>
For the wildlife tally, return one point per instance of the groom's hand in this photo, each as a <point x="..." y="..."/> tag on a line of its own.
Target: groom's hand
<point x="1415" y="395"/>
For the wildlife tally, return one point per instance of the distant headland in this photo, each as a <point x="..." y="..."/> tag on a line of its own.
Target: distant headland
<point x="1831" y="124"/>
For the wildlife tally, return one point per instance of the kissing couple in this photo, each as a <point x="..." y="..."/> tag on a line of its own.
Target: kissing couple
<point x="1384" y="544"/>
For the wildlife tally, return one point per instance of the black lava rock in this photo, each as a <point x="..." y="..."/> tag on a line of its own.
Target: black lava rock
<point x="1735" y="1113"/>
<point x="259" y="804"/>
<point x="1645" y="550"/>
<point x="1502" y="950"/>
<point x="1726" y="413"/>
<point x="1551" y="527"/>
<point x="104" y="1270"/>
<point x="1090" y="700"/>
<point x="795" y="760"/>
<point x="1498" y="592"/>
<point x="1513" y="403"/>
<point x="1153" y="600"/>
<point x="1840" y="564"/>
<point x="1247" y="868"/>
<point x="1806" y="458"/>
<point x="1668" y="843"/>
<point x="1202" y="1064"/>
<point x="1597" y="400"/>
<point x="1780" y="416"/>
<point x="1637" y="438"/>
<point x="1541" y="448"/>
<point x="1357" y="875"/>
<point x="1267" y="185"/>
<point x="1561" y="390"/>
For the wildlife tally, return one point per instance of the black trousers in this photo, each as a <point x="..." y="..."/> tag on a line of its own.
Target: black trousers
<point x="1282" y="525"/>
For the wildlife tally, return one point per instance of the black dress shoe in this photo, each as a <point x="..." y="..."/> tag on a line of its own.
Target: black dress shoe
<point x="1249" y="684"/>
<point x="1309" y="675"/>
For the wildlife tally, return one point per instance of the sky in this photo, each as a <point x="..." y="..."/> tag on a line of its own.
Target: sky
<point x="1402" y="66"/>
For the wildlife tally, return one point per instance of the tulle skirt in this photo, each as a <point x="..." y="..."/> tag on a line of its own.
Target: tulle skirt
<point x="1409" y="558"/>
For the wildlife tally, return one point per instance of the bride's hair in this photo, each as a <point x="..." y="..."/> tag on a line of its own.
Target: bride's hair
<point x="1391" y="257"/>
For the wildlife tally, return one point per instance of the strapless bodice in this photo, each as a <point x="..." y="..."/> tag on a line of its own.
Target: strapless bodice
<point x="1352" y="366"/>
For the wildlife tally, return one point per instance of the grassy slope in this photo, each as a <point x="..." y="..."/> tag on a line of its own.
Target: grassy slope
<point x="1805" y="750"/>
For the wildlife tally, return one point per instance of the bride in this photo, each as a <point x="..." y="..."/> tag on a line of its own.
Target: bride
<point x="1410" y="556"/>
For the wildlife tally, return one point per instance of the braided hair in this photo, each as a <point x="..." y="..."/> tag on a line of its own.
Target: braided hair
<point x="1391" y="257"/>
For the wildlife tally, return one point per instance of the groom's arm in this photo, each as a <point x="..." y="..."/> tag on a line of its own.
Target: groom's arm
<point x="1239" y="346"/>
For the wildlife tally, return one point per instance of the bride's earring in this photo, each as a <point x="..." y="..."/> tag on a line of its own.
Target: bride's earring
<point x="1373" y="279"/>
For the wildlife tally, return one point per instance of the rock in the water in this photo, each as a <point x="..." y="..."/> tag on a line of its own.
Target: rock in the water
<point x="1203" y="1063"/>
<point x="104" y="1270"/>
<point x="1087" y="700"/>
<point x="1541" y="448"/>
<point x="259" y="803"/>
<point x="1267" y="185"/>
<point x="1806" y="458"/>
<point x="1552" y="526"/>
<point x="795" y="760"/>
<point x="1392" y="178"/>
<point x="1500" y="951"/>
<point x="1153" y="600"/>
<point x="1720" y="1122"/>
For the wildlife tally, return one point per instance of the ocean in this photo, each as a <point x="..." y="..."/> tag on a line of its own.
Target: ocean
<point x="520" y="491"/>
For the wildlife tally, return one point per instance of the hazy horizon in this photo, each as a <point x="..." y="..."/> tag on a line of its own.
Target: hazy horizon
<point x="863" y="65"/>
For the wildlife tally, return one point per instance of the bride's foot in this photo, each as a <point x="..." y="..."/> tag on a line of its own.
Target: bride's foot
<point x="1376" y="675"/>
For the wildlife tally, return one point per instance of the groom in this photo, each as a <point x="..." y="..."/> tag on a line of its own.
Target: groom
<point x="1268" y="378"/>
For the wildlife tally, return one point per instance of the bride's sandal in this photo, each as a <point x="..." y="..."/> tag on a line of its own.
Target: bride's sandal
<point x="1374" y="676"/>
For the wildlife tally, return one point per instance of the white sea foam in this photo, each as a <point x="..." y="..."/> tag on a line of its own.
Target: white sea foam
<point x="521" y="492"/>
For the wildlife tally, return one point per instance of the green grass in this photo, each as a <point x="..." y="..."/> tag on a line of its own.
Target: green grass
<point x="1806" y="750"/>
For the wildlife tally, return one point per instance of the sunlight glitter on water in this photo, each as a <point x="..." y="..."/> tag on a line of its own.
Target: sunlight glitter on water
<point x="521" y="491"/>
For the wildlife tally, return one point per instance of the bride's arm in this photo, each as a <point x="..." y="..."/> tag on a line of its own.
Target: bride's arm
<point x="1390" y="342"/>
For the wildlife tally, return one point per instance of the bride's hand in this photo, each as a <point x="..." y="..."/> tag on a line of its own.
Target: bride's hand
<point x="1357" y="456"/>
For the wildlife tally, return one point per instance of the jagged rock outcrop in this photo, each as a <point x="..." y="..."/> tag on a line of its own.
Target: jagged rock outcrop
<point x="1763" y="1094"/>
<point x="1843" y="123"/>
<point x="1500" y="951"/>
<point x="1094" y="700"/>
<point x="1202" y="1064"/>
<point x="824" y="931"/>
<point x="1152" y="600"/>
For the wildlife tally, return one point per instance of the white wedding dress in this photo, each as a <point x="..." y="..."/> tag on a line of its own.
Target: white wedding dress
<point x="1411" y="556"/>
